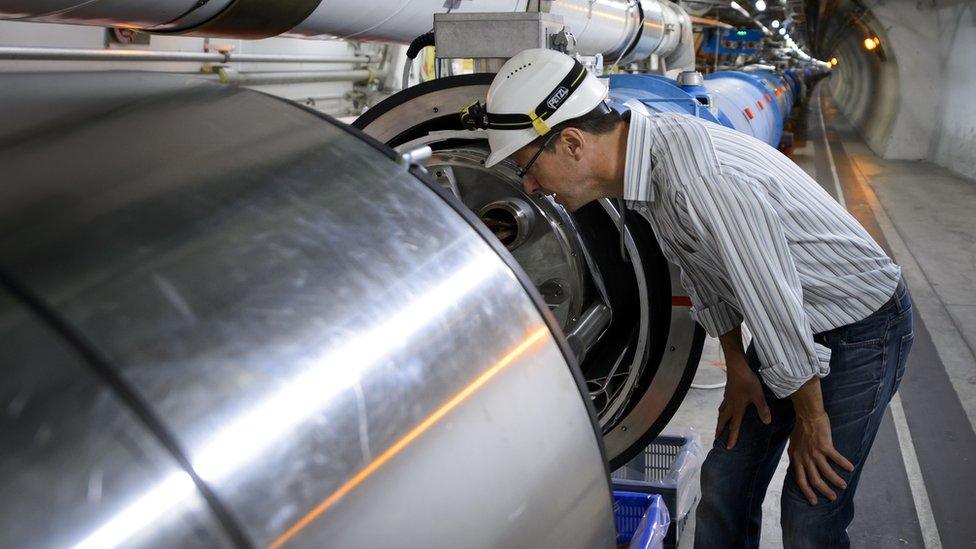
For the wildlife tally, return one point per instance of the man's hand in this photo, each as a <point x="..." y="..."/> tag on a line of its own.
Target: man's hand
<point x="742" y="389"/>
<point x="812" y="447"/>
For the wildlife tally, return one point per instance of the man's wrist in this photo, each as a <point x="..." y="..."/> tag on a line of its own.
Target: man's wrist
<point x="736" y="361"/>
<point x="808" y="400"/>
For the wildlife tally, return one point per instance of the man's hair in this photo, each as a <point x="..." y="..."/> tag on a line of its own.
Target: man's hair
<point x="596" y="122"/>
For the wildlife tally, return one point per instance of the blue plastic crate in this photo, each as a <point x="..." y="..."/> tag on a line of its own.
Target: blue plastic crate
<point x="629" y="508"/>
<point x="668" y="467"/>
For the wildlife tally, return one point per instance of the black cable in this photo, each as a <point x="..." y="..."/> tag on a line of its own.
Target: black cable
<point x="636" y="38"/>
<point x="419" y="43"/>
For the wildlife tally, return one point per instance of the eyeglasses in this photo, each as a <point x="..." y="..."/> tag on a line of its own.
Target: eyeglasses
<point x="522" y="171"/>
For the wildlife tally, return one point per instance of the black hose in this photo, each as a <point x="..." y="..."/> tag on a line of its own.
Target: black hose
<point x="419" y="43"/>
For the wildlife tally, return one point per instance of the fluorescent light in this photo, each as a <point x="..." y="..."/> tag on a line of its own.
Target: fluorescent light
<point x="775" y="23"/>
<point x="782" y="32"/>
<point x="761" y="5"/>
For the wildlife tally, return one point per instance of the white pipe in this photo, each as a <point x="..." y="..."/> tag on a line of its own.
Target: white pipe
<point x="605" y="27"/>
<point x="78" y="54"/>
<point x="601" y="26"/>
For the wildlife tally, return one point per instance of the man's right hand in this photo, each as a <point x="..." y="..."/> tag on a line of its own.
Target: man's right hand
<point x="741" y="390"/>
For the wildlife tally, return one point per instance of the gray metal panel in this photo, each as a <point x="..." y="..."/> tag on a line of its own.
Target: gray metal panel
<point x="323" y="333"/>
<point x="75" y="458"/>
<point x="493" y="35"/>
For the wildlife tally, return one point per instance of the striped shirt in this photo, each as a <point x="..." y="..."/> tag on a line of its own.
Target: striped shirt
<point x="757" y="240"/>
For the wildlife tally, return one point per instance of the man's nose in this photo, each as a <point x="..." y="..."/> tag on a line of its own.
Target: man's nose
<point x="530" y="185"/>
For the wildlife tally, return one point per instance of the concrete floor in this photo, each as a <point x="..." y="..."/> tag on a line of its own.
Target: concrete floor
<point x="919" y="485"/>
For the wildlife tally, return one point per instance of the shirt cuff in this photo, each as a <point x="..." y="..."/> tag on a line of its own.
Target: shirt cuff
<point x="784" y="383"/>
<point x="718" y="319"/>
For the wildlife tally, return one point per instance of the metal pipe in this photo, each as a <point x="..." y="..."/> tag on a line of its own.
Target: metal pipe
<point x="327" y="97"/>
<point x="230" y="76"/>
<point x="607" y="27"/>
<point x="78" y="54"/>
<point x="592" y="323"/>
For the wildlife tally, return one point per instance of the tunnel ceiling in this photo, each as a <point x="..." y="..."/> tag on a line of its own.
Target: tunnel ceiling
<point x="829" y="21"/>
<point x="815" y="25"/>
<point x="792" y="13"/>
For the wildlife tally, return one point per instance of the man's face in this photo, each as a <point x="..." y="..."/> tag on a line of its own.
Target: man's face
<point x="562" y="172"/>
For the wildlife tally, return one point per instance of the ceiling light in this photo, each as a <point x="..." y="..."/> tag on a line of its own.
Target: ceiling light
<point x="833" y="61"/>
<point x="775" y="23"/>
<point x="735" y="5"/>
<point x="782" y="32"/>
<point x="870" y="44"/>
<point x="761" y="5"/>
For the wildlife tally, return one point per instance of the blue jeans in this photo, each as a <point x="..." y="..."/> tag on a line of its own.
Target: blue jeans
<point x="867" y="364"/>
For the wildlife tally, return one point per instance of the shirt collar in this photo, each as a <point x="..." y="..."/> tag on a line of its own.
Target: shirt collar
<point x="638" y="186"/>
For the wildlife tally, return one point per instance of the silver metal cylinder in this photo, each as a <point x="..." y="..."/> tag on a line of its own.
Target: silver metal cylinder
<point x="608" y="27"/>
<point x="267" y="332"/>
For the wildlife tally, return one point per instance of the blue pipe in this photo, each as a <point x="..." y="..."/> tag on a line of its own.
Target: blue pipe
<point x="756" y="102"/>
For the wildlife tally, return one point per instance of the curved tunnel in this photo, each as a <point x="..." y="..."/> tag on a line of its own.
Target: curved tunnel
<point x="909" y="96"/>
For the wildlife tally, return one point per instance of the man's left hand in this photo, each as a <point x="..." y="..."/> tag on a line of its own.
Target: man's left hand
<point x="812" y="448"/>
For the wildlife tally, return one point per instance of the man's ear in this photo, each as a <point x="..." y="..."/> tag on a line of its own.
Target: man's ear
<point x="573" y="140"/>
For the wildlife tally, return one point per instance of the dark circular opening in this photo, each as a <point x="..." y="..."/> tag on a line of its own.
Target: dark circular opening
<point x="503" y="224"/>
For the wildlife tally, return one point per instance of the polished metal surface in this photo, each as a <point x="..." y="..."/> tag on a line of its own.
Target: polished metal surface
<point x="346" y="361"/>
<point x="132" y="13"/>
<point x="612" y="28"/>
<point x="617" y="315"/>
<point x="534" y="229"/>
<point x="586" y="333"/>
<point x="78" y="468"/>
<point x="652" y="34"/>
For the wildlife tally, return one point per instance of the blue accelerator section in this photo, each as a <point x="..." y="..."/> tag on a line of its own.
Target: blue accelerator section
<point x="756" y="101"/>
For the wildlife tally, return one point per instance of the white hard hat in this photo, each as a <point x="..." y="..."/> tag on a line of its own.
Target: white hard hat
<point x="534" y="91"/>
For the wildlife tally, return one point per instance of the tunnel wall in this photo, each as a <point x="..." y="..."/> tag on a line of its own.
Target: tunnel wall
<point x="955" y="147"/>
<point x="915" y="103"/>
<point x="867" y="91"/>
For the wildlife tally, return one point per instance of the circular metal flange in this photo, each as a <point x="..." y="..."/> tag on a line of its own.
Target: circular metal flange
<point x="650" y="349"/>
<point x="511" y="220"/>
